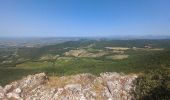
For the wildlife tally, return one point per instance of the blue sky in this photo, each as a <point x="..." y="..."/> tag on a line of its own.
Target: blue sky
<point x="70" y="18"/>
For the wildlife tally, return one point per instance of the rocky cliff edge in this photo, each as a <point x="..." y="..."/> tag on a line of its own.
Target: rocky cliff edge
<point x="106" y="86"/>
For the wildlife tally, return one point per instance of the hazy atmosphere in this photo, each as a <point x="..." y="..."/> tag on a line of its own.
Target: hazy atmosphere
<point x="84" y="49"/>
<point x="79" y="18"/>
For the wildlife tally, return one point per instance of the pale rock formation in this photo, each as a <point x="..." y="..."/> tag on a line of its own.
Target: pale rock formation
<point x="107" y="86"/>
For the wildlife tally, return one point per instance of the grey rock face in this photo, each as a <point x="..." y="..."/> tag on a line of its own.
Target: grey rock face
<point x="108" y="86"/>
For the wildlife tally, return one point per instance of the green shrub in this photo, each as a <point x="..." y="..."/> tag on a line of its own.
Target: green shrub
<point x="153" y="85"/>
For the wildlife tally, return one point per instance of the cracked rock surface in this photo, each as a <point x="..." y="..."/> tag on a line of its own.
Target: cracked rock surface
<point x="106" y="86"/>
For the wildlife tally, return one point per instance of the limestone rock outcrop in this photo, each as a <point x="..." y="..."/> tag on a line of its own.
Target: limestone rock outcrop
<point x="106" y="86"/>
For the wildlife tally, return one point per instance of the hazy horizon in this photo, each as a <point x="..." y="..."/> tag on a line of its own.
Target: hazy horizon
<point x="84" y="18"/>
